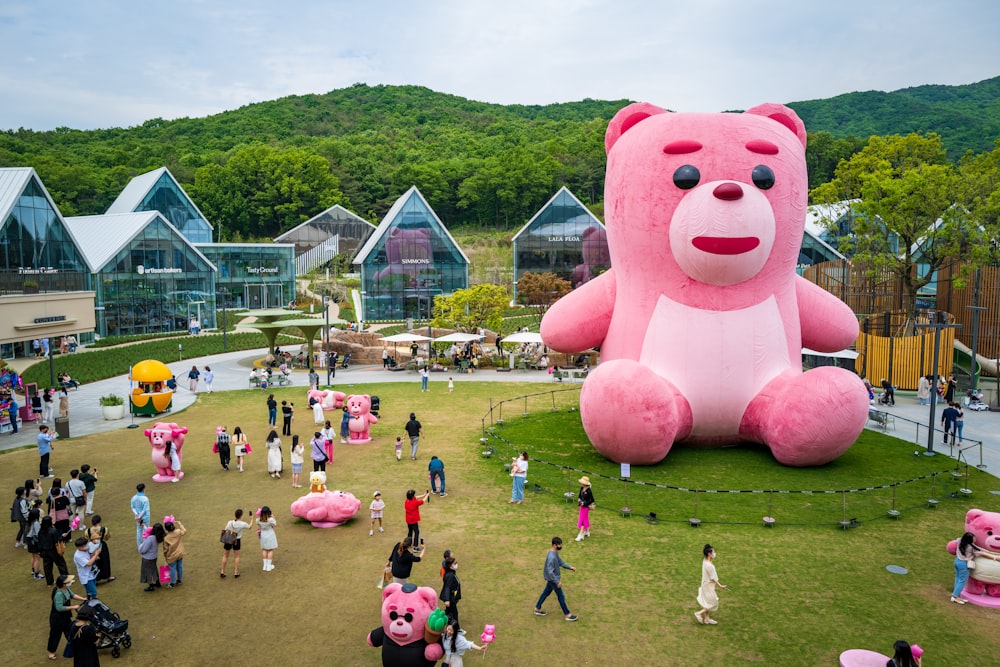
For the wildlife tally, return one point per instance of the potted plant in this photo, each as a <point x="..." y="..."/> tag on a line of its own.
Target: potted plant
<point x="112" y="406"/>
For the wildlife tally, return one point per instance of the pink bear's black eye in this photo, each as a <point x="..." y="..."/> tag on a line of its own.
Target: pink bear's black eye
<point x="686" y="177"/>
<point x="763" y="177"/>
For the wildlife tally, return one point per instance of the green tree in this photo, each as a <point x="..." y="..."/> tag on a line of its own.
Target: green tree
<point x="900" y="193"/>
<point x="468" y="309"/>
<point x="541" y="289"/>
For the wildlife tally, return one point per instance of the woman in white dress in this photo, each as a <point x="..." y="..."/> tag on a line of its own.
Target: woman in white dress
<point x="273" y="444"/>
<point x="707" y="597"/>
<point x="268" y="540"/>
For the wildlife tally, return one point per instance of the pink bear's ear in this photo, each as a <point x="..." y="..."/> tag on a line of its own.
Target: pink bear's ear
<point x="390" y="589"/>
<point x="783" y="115"/>
<point x="626" y="119"/>
<point x="973" y="516"/>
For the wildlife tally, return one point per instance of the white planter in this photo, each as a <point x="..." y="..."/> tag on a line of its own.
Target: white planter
<point x="112" y="412"/>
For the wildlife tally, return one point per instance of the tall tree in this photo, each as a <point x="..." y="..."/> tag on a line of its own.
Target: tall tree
<point x="541" y="289"/>
<point x="901" y="193"/>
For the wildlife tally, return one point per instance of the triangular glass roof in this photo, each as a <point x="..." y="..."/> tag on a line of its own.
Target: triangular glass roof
<point x="407" y="218"/>
<point x="159" y="191"/>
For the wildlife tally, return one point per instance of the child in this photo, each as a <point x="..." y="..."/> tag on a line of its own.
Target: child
<point x="175" y="461"/>
<point x="296" y="455"/>
<point x="376" y="507"/>
<point x="399" y="448"/>
<point x="451" y="385"/>
<point x="455" y="644"/>
<point x="31" y="541"/>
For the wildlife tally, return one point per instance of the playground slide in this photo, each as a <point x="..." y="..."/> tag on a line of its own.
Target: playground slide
<point x="986" y="366"/>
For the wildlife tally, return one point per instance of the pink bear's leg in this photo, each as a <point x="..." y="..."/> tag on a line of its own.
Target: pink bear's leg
<point x="631" y="414"/>
<point x="975" y="587"/>
<point x="808" y="419"/>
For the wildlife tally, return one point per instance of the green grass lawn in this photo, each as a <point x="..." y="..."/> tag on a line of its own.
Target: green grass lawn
<point x="803" y="591"/>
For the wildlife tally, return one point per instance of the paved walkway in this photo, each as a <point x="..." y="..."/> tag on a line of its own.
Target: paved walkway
<point x="231" y="372"/>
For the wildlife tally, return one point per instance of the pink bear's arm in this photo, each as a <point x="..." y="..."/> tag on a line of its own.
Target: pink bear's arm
<point x="953" y="547"/>
<point x="828" y="324"/>
<point x="433" y="652"/>
<point x="580" y="320"/>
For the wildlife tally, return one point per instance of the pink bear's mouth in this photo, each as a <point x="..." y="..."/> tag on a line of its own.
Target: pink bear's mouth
<point x="720" y="245"/>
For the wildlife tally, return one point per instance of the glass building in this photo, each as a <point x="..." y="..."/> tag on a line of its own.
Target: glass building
<point x="408" y="260"/>
<point x="253" y="275"/>
<point x="147" y="276"/>
<point x="563" y="238"/>
<point x="158" y="190"/>
<point x="335" y="231"/>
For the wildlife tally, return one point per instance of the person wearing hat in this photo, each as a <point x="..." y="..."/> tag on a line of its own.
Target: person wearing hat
<point x="61" y="613"/>
<point x="377" y="507"/>
<point x="83" y="637"/>
<point x="586" y="501"/>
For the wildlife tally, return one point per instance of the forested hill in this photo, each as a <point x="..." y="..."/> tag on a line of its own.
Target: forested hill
<point x="264" y="168"/>
<point x="967" y="117"/>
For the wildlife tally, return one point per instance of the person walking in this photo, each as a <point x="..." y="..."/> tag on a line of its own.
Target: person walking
<point x="236" y="525"/>
<point x="61" y="613"/>
<point x="140" y="510"/>
<point x="295" y="454"/>
<point x="89" y="479"/>
<point x="242" y="446"/>
<point x="268" y="539"/>
<point x="411" y="508"/>
<point x="401" y="560"/>
<point x="173" y="549"/>
<point x="377" y="507"/>
<point x="287" y="410"/>
<point x="425" y="377"/>
<point x="965" y="553"/>
<point x="209" y="377"/>
<point x="959" y="422"/>
<point x="585" y="499"/>
<point x="414" y="429"/>
<point x="436" y="471"/>
<point x="924" y="390"/>
<point x="552" y="572"/>
<point x="948" y="418"/>
<point x="44" y="439"/>
<point x="451" y="589"/>
<point x="12" y="412"/>
<point x="707" y="597"/>
<point x="193" y="376"/>
<point x="317" y="450"/>
<point x="519" y="474"/>
<point x="222" y="441"/>
<point x="148" y="550"/>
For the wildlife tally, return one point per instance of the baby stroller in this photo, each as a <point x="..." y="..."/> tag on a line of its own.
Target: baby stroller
<point x="974" y="401"/>
<point x="111" y="629"/>
<point x="347" y="360"/>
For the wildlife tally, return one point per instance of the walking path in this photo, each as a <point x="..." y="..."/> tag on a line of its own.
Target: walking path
<point x="231" y="371"/>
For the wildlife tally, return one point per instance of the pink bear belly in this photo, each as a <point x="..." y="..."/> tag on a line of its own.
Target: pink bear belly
<point x="719" y="360"/>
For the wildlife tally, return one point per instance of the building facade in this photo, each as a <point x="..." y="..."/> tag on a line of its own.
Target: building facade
<point x="408" y="260"/>
<point x="332" y="233"/>
<point x="252" y="275"/>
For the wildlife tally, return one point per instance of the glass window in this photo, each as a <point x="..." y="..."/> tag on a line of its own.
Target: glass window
<point x="176" y="207"/>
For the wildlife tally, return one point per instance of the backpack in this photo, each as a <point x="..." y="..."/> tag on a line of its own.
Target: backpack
<point x="15" y="512"/>
<point x="223" y="438"/>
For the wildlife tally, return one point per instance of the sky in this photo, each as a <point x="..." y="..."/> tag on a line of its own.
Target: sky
<point x="115" y="63"/>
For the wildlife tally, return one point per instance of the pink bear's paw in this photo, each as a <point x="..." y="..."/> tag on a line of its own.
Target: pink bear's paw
<point x="433" y="652"/>
<point x="631" y="414"/>
<point x="808" y="419"/>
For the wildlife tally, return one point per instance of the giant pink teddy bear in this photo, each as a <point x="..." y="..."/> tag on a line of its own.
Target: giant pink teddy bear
<point x="701" y="319"/>
<point x="326" y="509"/>
<point x="159" y="435"/>
<point x="985" y="578"/>
<point x="359" y="406"/>
<point x="402" y="637"/>
<point x="328" y="398"/>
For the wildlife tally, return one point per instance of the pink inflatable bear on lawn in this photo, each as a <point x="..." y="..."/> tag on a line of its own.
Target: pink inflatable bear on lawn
<point x="701" y="320"/>
<point x="405" y="610"/>
<point x="329" y="399"/>
<point x="985" y="578"/>
<point x="159" y="436"/>
<point x="325" y="509"/>
<point x="359" y="406"/>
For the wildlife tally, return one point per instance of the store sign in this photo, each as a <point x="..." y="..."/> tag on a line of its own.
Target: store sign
<point x="52" y="318"/>
<point x="262" y="269"/>
<point x="416" y="261"/>
<point x="561" y="239"/>
<point x="143" y="271"/>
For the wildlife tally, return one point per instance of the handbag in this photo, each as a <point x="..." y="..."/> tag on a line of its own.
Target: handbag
<point x="971" y="564"/>
<point x="60" y="547"/>
<point x="228" y="536"/>
<point x="164" y="574"/>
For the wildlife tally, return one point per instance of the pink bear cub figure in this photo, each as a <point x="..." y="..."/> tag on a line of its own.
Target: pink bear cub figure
<point x="159" y="436"/>
<point x="983" y="587"/>
<point x="359" y="407"/>
<point x="701" y="318"/>
<point x="326" y="509"/>
<point x="405" y="610"/>
<point x="329" y="399"/>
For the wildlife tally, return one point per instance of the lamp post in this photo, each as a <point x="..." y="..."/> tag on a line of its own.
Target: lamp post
<point x="937" y="325"/>
<point x="326" y="348"/>
<point x="224" y="293"/>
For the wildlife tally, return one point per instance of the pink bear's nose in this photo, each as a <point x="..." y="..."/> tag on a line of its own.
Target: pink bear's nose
<point x="728" y="191"/>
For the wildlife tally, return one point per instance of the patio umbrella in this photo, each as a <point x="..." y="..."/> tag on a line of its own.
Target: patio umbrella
<point x="523" y="337"/>
<point x="457" y="337"/>
<point x="404" y="338"/>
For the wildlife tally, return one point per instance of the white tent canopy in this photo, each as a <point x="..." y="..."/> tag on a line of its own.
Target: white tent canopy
<point x="404" y="338"/>
<point x="457" y="337"/>
<point x="523" y="337"/>
<point x="843" y="354"/>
